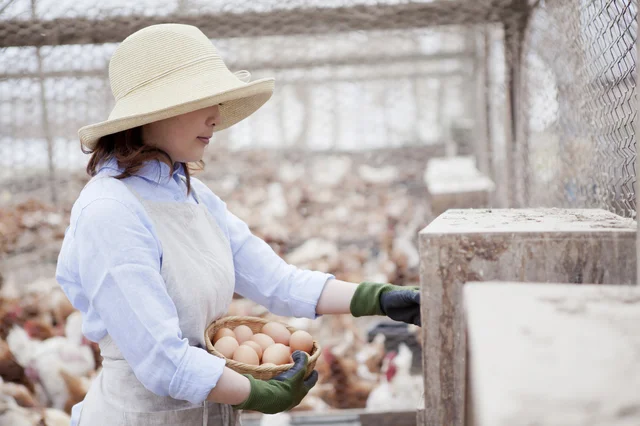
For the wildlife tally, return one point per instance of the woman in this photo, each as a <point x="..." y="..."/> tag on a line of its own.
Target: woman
<point x="152" y="256"/>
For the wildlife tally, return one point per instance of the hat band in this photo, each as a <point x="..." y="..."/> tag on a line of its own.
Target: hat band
<point x="165" y="73"/>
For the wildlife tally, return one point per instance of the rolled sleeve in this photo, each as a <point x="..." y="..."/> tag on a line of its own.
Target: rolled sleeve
<point x="264" y="277"/>
<point x="120" y="261"/>
<point x="196" y="375"/>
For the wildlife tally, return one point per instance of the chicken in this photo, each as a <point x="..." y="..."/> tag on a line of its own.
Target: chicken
<point x="39" y="329"/>
<point x="11" y="370"/>
<point x="19" y="393"/>
<point x="311" y="403"/>
<point x="54" y="417"/>
<point x="349" y="390"/>
<point x="380" y="396"/>
<point x="279" y="419"/>
<point x="398" y="390"/>
<point x="370" y="357"/>
<point x="59" y="306"/>
<point x="77" y="387"/>
<point x="44" y="360"/>
<point x="73" y="332"/>
<point x="11" y="414"/>
<point x="11" y="313"/>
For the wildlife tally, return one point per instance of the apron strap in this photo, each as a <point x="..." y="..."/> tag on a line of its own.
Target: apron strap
<point x="193" y="190"/>
<point x="205" y="413"/>
<point x="134" y="192"/>
<point x="98" y="177"/>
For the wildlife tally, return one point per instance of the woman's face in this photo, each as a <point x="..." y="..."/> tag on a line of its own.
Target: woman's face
<point x="185" y="136"/>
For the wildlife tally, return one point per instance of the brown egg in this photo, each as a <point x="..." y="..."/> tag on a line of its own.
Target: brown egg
<point x="243" y="333"/>
<point x="227" y="345"/>
<point x="256" y="347"/>
<point x="277" y="332"/>
<point x="223" y="332"/>
<point x="277" y="354"/>
<point x="246" y="355"/>
<point x="263" y="340"/>
<point x="301" y="341"/>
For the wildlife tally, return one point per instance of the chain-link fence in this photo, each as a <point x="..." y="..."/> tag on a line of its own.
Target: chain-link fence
<point x="579" y="106"/>
<point x="330" y="171"/>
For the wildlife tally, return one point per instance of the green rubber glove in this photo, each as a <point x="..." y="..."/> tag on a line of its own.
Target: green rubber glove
<point x="397" y="302"/>
<point x="283" y="392"/>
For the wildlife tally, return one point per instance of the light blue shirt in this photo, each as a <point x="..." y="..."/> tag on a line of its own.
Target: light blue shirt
<point x="109" y="268"/>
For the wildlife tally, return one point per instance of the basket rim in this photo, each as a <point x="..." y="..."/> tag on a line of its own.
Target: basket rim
<point x="219" y="323"/>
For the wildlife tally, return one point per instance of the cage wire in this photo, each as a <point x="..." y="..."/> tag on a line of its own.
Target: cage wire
<point x="579" y="106"/>
<point x="540" y="93"/>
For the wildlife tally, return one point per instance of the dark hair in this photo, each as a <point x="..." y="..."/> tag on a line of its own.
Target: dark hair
<point x="128" y="148"/>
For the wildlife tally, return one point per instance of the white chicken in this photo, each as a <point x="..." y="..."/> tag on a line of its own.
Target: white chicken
<point x="279" y="419"/>
<point x="399" y="390"/>
<point x="369" y="355"/>
<point x="11" y="414"/>
<point x="43" y="361"/>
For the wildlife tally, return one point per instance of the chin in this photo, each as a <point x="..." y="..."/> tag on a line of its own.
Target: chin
<point x="190" y="158"/>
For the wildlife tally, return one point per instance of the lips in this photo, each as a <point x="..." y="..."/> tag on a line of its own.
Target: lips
<point x="203" y="139"/>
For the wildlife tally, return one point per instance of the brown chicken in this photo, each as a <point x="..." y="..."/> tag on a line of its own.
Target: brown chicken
<point x="77" y="387"/>
<point x="11" y="313"/>
<point x="10" y="370"/>
<point x="20" y="393"/>
<point x="348" y="390"/>
<point x="39" y="329"/>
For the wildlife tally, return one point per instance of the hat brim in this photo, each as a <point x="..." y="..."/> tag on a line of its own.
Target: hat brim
<point x="238" y="103"/>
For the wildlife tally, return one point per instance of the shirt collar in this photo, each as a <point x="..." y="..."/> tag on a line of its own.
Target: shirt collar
<point x="153" y="170"/>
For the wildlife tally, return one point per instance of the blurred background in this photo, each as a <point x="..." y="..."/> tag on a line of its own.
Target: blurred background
<point x="384" y="111"/>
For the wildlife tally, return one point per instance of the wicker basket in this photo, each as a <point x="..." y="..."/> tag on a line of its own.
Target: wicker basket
<point x="255" y="324"/>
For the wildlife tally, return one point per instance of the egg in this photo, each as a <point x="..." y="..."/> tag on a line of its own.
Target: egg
<point x="277" y="354"/>
<point x="277" y="332"/>
<point x="263" y="340"/>
<point x="301" y="341"/>
<point x="246" y="355"/>
<point x="223" y="332"/>
<point x="227" y="345"/>
<point x="256" y="347"/>
<point x="242" y="333"/>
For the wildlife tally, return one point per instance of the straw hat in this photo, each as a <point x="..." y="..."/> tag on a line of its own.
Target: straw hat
<point x="170" y="69"/>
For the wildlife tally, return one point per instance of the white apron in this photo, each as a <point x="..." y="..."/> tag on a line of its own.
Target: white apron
<point x="197" y="267"/>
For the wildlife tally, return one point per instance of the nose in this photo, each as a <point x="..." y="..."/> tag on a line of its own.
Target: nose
<point x="213" y="116"/>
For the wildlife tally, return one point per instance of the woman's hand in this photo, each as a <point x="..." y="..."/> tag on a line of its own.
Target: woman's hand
<point x="397" y="302"/>
<point x="283" y="392"/>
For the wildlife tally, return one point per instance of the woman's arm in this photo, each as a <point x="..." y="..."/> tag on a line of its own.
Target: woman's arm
<point x="232" y="388"/>
<point x="398" y="303"/>
<point x="264" y="277"/>
<point x="336" y="297"/>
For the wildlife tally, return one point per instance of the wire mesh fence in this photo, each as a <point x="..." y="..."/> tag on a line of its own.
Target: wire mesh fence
<point x="330" y="171"/>
<point x="579" y="106"/>
<point x="339" y="87"/>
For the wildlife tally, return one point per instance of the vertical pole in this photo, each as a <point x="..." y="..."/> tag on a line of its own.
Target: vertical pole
<point x="481" y="110"/>
<point x="514" y="29"/>
<point x="45" y="119"/>
<point x="417" y="116"/>
<point x="510" y="95"/>
<point x="637" y="189"/>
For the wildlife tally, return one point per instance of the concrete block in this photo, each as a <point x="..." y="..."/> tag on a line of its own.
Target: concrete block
<point x="553" y="355"/>
<point x="533" y="245"/>
<point x="454" y="183"/>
